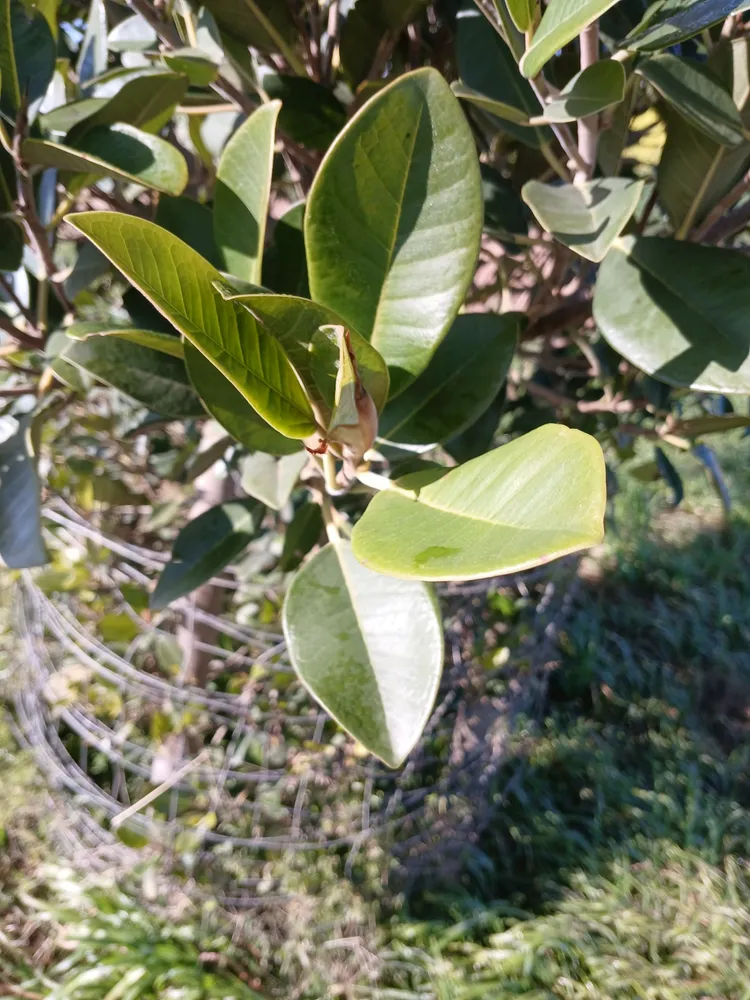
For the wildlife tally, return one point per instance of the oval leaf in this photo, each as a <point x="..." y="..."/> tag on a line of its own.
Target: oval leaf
<point x="394" y="221"/>
<point x="180" y="284"/>
<point x="587" y="217"/>
<point x="21" y="543"/>
<point x="270" y="479"/>
<point x="206" y="546"/>
<point x="678" y="311"/>
<point x="540" y="497"/>
<point x="592" y="90"/>
<point x="368" y="647"/>
<point x="459" y="383"/>
<point x="674" y="22"/>
<point x="562" y="21"/>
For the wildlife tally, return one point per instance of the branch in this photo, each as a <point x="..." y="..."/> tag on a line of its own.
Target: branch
<point x="604" y="405"/>
<point x="10" y="292"/>
<point x="17" y="390"/>
<point x="25" y="339"/>
<point x="588" y="128"/>
<point x="573" y="312"/>
<point x="720" y="222"/>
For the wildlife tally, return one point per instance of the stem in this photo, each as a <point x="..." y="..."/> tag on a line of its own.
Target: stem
<point x="588" y="128"/>
<point x="720" y="210"/>
<point x="553" y="161"/>
<point x="692" y="211"/>
<point x="10" y="292"/>
<point x="24" y="339"/>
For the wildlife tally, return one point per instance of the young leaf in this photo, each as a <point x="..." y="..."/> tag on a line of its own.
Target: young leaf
<point x="271" y="480"/>
<point x="206" y="546"/>
<point x="368" y="647"/>
<point x="180" y="283"/>
<point x="678" y="311"/>
<point x="21" y="543"/>
<point x="696" y="94"/>
<point x="459" y="383"/>
<point x="587" y="217"/>
<point x="540" y="497"/>
<point x="523" y="13"/>
<point x="301" y="535"/>
<point x="562" y="21"/>
<point x="592" y="90"/>
<point x="150" y="377"/>
<point x="243" y="187"/>
<point x="394" y="220"/>
<point x="230" y="408"/>
<point x="674" y="22"/>
<point x="120" y="151"/>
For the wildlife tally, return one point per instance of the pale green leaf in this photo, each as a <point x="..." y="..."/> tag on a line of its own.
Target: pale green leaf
<point x="587" y="217"/>
<point x="523" y="13"/>
<point x="394" y="220"/>
<point x="271" y="480"/>
<point x="508" y="112"/>
<point x="21" y="543"/>
<point x="678" y="311"/>
<point x="592" y="90"/>
<point x="166" y="343"/>
<point x="562" y="21"/>
<point x="368" y="647"/>
<point x="179" y="283"/>
<point x="540" y="497"/>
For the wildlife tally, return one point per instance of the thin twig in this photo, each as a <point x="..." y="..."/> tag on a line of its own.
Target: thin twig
<point x="17" y="390"/>
<point x="588" y="127"/>
<point x="25" y="339"/>
<point x="9" y="290"/>
<point x="719" y="213"/>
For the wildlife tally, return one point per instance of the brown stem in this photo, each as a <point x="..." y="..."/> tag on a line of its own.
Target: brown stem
<point x="720" y="212"/>
<point x="10" y="292"/>
<point x="573" y="312"/>
<point x="17" y="390"/>
<point x="588" y="128"/>
<point x="24" y="339"/>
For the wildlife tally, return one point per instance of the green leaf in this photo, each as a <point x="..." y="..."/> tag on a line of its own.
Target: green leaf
<point x="504" y="212"/>
<point x="367" y="22"/>
<point x="145" y="101"/>
<point x="150" y="377"/>
<point x="194" y="63"/>
<point x="27" y="57"/>
<point x="368" y="648"/>
<point x="179" y="283"/>
<point x="284" y="262"/>
<point x="592" y="90"/>
<point x="523" y="13"/>
<point x="668" y="23"/>
<point x="678" y="311"/>
<point x="243" y="188"/>
<point x="697" y="95"/>
<point x="206" y="546"/>
<point x="134" y="34"/>
<point x="310" y="114"/>
<point x="480" y="437"/>
<point x="308" y="333"/>
<point x="394" y="220"/>
<point x="89" y="266"/>
<point x="92" y="54"/>
<point x="192" y="223"/>
<point x="21" y="543"/>
<point x="271" y="480"/>
<point x="11" y="234"/>
<point x="540" y="497"/>
<point x="303" y="532"/>
<point x="458" y="385"/>
<point x="562" y="21"/>
<point x="120" y="151"/>
<point x="166" y="343"/>
<point x="697" y="426"/>
<point x="230" y="408"/>
<point x="267" y="25"/>
<point x="487" y="66"/>
<point x="505" y="111"/>
<point x="587" y="217"/>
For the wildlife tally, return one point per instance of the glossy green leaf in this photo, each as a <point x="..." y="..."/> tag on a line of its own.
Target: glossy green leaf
<point x="487" y="66"/>
<point x="587" y="217"/>
<point x="367" y="22"/>
<point x="21" y="543"/>
<point x="504" y="212"/>
<point x="562" y="21"/>
<point x="507" y="112"/>
<point x="592" y="90"/>
<point x="11" y="233"/>
<point x="310" y="114"/>
<point x="368" y="647"/>
<point x="678" y="311"/>
<point x="458" y="385"/>
<point x="523" y="13"/>
<point x="206" y="546"/>
<point x="120" y="151"/>
<point x="243" y="187"/>
<point x="540" y="497"/>
<point x="194" y="64"/>
<point x="165" y="343"/>
<point x="307" y="332"/>
<point x="27" y="57"/>
<point x="151" y="377"/>
<point x="230" y="408"/>
<point x="179" y="283"/>
<point x="675" y="20"/>
<point x="394" y="220"/>
<point x="271" y="480"/>
<point x="145" y="101"/>
<point x="284" y="262"/>
<point x="267" y="25"/>
<point x="696" y="94"/>
<point x="303" y="532"/>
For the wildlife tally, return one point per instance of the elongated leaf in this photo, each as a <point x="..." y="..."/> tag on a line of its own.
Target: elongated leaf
<point x="307" y="332"/>
<point x="145" y="101"/>
<point x="523" y="13"/>
<point x="192" y="223"/>
<point x="696" y="94"/>
<point x="369" y="648"/>
<point x="230" y="408"/>
<point x="504" y="212"/>
<point x="540" y="497"/>
<point x="264" y="24"/>
<point x="89" y="266"/>
<point x="21" y="543"/>
<point x="206" y="546"/>
<point x="562" y="21"/>
<point x="119" y="151"/>
<point x="505" y="111"/>
<point x="486" y="66"/>
<point x="243" y="187"/>
<point x="195" y="64"/>
<point x="301" y="535"/>
<point x="586" y="217"/>
<point x="165" y="343"/>
<point x="153" y="378"/>
<point x="394" y="220"/>
<point x="592" y="90"/>
<point x="678" y="311"/>
<point x="134" y="34"/>
<point x="284" y="262"/>
<point x="310" y="114"/>
<point x="11" y="233"/>
<point x="179" y="283"/>
<point x="677" y="20"/>
<point x="92" y="55"/>
<point x="27" y="57"/>
<point x="696" y="426"/>
<point x="367" y="22"/>
<point x="459" y="383"/>
<point x="271" y="480"/>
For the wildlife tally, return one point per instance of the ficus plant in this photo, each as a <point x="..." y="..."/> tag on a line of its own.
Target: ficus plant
<point x="408" y="268"/>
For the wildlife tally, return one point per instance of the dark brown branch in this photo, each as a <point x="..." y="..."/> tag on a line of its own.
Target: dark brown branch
<point x="728" y="225"/>
<point x="24" y="339"/>
<point x="10" y="292"/>
<point x="17" y="390"/>
<point x="574" y="312"/>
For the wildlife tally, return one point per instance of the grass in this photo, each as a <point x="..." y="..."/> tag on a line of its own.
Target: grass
<point x="611" y="864"/>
